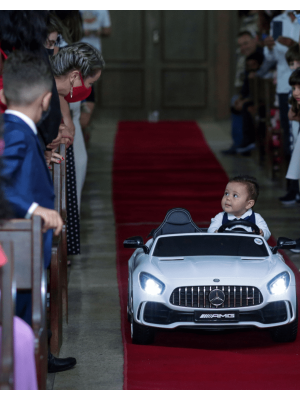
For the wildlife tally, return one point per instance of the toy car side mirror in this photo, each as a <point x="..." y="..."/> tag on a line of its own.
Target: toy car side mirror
<point x="284" y="243"/>
<point x="135" y="242"/>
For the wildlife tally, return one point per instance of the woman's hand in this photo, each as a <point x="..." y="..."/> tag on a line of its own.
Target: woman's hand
<point x="67" y="136"/>
<point x="261" y="232"/>
<point x="48" y="155"/>
<point x="56" y="142"/>
<point x="56" y="158"/>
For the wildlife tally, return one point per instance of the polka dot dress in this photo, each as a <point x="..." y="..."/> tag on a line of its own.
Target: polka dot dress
<point x="73" y="225"/>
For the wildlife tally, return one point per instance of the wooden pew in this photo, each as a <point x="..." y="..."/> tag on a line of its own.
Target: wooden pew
<point x="30" y="274"/>
<point x="58" y="268"/>
<point x="7" y="289"/>
<point x="64" y="232"/>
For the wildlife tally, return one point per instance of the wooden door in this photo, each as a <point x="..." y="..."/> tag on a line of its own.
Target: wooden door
<point x="160" y="61"/>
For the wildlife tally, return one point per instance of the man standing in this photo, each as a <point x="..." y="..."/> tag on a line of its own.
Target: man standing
<point x="275" y="50"/>
<point x="96" y="24"/>
<point x="241" y="125"/>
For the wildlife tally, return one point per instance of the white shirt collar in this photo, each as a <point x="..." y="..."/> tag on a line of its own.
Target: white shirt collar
<point x="247" y="213"/>
<point x="24" y="118"/>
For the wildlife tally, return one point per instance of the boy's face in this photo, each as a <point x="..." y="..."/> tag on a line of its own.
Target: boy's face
<point x="236" y="199"/>
<point x="294" y="65"/>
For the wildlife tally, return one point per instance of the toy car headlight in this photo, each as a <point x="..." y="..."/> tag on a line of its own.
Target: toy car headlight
<point x="279" y="284"/>
<point x="150" y="284"/>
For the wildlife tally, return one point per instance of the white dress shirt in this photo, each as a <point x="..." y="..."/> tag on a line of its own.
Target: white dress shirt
<point x="216" y="222"/>
<point x="31" y="125"/>
<point x="291" y="30"/>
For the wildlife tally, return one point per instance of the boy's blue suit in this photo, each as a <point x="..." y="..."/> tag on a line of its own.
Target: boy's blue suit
<point x="28" y="177"/>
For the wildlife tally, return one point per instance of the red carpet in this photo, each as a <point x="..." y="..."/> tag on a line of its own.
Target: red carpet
<point x="157" y="167"/>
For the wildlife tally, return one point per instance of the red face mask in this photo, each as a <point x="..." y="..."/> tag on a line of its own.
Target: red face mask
<point x="79" y="93"/>
<point x="3" y="107"/>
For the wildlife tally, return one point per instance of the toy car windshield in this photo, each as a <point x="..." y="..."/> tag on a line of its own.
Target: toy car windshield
<point x="210" y="245"/>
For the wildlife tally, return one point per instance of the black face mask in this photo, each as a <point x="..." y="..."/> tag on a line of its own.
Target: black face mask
<point x="45" y="114"/>
<point x="50" y="52"/>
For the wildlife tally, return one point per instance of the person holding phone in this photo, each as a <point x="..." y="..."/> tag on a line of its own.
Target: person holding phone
<point x="284" y="33"/>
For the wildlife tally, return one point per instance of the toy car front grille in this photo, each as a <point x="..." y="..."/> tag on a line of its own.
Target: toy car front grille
<point x="198" y="296"/>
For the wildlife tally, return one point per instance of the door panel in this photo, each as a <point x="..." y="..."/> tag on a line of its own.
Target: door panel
<point x="184" y="35"/>
<point x="166" y="61"/>
<point x="183" y="88"/>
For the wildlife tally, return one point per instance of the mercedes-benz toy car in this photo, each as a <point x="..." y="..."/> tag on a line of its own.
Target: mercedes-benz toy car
<point x="186" y="277"/>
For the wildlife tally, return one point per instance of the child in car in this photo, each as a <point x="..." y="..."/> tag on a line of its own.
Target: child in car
<point x="240" y="195"/>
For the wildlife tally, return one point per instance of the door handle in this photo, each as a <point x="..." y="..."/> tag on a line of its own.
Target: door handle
<point x="155" y="36"/>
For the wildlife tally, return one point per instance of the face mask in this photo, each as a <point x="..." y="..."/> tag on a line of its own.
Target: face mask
<point x="50" y="52"/>
<point x="297" y="16"/>
<point x="45" y="114"/>
<point x="79" y="93"/>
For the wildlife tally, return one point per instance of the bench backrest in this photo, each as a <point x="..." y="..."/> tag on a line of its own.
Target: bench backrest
<point x="30" y="274"/>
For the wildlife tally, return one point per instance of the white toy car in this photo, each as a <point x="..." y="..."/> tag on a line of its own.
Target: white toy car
<point x="186" y="277"/>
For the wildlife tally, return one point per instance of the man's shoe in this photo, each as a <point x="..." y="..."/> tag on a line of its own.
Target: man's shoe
<point x="60" y="364"/>
<point x="246" y="148"/>
<point x="230" y="151"/>
<point x="290" y="198"/>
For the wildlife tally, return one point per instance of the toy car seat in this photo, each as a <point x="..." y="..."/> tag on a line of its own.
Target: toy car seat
<point x="177" y="220"/>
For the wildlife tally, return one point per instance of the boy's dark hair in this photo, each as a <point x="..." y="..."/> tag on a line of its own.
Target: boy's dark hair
<point x="251" y="183"/>
<point x="294" y="80"/>
<point x="23" y="30"/>
<point x="26" y="76"/>
<point x="257" y="56"/>
<point x="293" y="53"/>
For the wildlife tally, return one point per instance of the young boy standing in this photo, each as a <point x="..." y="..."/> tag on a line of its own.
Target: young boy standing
<point x="27" y="85"/>
<point x="240" y="195"/>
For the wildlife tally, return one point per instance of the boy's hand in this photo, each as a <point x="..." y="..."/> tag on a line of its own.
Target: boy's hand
<point x="261" y="232"/>
<point x="51" y="218"/>
<point x="216" y="231"/>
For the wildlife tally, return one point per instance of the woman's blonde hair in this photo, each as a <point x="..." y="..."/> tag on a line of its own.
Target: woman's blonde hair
<point x="77" y="56"/>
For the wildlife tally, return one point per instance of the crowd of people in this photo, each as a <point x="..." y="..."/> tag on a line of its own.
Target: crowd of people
<point x="50" y="62"/>
<point x="268" y="48"/>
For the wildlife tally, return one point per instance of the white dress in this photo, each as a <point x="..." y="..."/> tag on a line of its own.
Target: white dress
<point x="80" y="153"/>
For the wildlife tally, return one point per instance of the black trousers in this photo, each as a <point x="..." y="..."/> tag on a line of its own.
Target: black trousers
<point x="284" y="122"/>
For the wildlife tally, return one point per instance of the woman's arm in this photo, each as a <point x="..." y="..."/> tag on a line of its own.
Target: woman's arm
<point x="65" y="110"/>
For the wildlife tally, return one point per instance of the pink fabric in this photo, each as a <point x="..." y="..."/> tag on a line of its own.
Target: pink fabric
<point x="3" y="259"/>
<point x="24" y="361"/>
<point x="25" y="370"/>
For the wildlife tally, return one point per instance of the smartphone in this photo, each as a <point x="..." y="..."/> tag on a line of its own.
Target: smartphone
<point x="277" y="29"/>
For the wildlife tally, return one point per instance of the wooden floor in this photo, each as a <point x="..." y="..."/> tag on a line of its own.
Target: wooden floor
<point x="93" y="334"/>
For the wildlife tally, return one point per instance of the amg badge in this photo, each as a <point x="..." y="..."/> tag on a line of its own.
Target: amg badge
<point x="217" y="316"/>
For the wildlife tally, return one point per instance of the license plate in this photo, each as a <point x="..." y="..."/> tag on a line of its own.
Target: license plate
<point x="216" y="316"/>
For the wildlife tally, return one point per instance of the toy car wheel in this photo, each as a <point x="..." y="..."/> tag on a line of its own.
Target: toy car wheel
<point x="141" y="334"/>
<point x="286" y="333"/>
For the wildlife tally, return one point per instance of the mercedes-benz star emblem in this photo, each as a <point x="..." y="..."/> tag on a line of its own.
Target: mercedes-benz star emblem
<point x="216" y="297"/>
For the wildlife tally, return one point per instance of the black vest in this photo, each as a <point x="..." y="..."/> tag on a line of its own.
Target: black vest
<point x="250" y="218"/>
